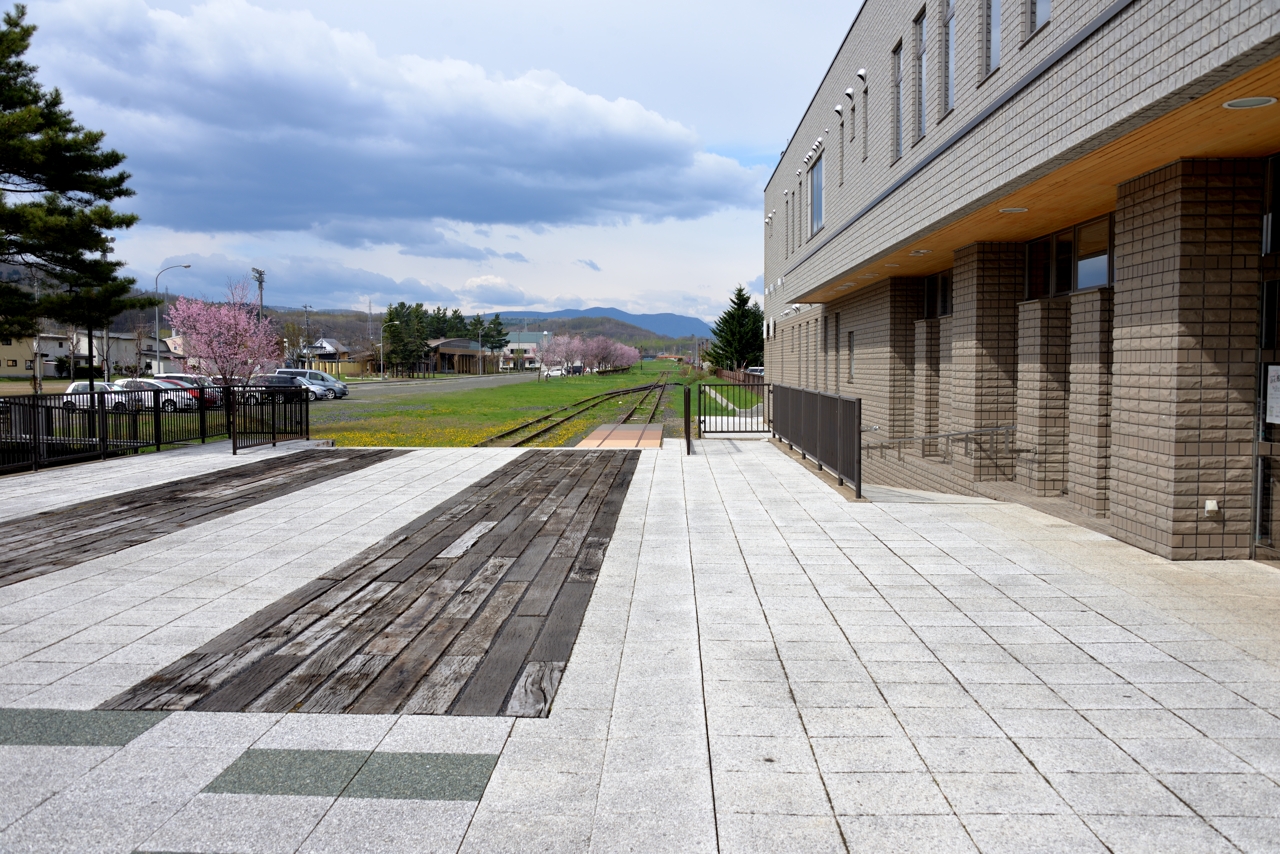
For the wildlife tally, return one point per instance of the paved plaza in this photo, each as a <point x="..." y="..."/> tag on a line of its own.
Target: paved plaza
<point x="764" y="665"/>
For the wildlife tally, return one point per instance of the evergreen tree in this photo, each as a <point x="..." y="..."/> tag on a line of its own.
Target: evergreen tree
<point x="18" y="310"/>
<point x="739" y="334"/>
<point x="57" y="184"/>
<point x="495" y="334"/>
<point x="457" y="325"/>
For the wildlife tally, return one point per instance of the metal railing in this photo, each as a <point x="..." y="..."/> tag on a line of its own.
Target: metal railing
<point x="942" y="444"/>
<point x="824" y="427"/>
<point x="37" y="431"/>
<point x="733" y="408"/>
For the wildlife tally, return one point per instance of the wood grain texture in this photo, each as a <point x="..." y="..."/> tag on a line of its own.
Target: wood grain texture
<point x="46" y="542"/>
<point x="472" y="608"/>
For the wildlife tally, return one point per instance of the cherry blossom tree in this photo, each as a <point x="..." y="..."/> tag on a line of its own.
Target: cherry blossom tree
<point x="226" y="339"/>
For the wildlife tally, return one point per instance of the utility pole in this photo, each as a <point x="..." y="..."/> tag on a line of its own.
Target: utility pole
<point x="306" y="314"/>
<point x="259" y="276"/>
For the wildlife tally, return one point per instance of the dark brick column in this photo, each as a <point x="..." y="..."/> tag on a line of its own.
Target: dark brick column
<point x="1044" y="327"/>
<point x="926" y="386"/>
<point x="1187" y="245"/>
<point x="987" y="283"/>
<point x="1090" y="442"/>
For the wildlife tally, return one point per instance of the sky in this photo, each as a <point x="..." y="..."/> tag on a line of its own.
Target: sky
<point x="488" y="156"/>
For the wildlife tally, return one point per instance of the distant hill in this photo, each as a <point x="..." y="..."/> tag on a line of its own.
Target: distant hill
<point x="663" y="325"/>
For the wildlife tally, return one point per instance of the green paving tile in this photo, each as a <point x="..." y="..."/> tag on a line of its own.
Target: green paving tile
<point x="423" y="776"/>
<point x="65" y="728"/>
<point x="289" y="772"/>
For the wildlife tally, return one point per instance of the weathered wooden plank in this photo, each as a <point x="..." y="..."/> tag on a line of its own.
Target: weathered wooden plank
<point x="344" y="686"/>
<point x="535" y="689"/>
<point x="398" y="680"/>
<point x="237" y="693"/>
<point x="560" y="630"/>
<point x="486" y="692"/>
<point x="437" y="691"/>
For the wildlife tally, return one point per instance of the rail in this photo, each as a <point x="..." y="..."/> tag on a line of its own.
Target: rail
<point x="576" y="410"/>
<point x="970" y="438"/>
<point x="37" y="431"/>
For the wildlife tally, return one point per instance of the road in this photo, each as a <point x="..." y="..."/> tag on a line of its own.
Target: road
<point x="371" y="392"/>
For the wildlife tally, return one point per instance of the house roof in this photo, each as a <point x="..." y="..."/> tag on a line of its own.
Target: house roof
<point x="331" y="344"/>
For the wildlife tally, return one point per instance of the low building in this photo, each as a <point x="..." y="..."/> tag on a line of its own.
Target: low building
<point x="1056" y="223"/>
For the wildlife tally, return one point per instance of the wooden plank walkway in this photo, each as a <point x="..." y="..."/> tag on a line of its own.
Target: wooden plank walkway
<point x="470" y="609"/>
<point x="46" y="542"/>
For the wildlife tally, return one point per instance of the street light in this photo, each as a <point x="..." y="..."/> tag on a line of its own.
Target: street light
<point x="382" y="348"/>
<point x="155" y="368"/>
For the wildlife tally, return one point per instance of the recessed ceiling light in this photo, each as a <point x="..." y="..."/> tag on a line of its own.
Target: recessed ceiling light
<point x="892" y="265"/>
<point x="1013" y="210"/>
<point x="921" y="251"/>
<point x="1249" y="103"/>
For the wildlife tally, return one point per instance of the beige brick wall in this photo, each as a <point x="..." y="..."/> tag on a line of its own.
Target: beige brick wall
<point x="1184" y="372"/>
<point x="1044" y="344"/>
<point x="1090" y="406"/>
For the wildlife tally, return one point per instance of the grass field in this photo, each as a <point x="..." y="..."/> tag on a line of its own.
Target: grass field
<point x="464" y="418"/>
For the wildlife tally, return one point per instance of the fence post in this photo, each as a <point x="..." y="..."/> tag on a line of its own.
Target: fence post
<point x="688" y="434"/>
<point x="839" y="441"/>
<point x="273" y="422"/>
<point x="204" y="430"/>
<point x="229" y="413"/>
<point x="102" y="427"/>
<point x="155" y="416"/>
<point x="35" y="426"/>
<point x="857" y="426"/>
<point x="306" y="417"/>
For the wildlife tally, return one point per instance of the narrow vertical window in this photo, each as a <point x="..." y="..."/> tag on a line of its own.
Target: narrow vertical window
<point x="841" y="113"/>
<point x="864" y="124"/>
<point x="898" y="111"/>
<point x="786" y="224"/>
<point x="922" y="72"/>
<point x="993" y="35"/>
<point x="948" y="58"/>
<point x="1037" y="15"/>
<point x="835" y="325"/>
<point x="850" y="356"/>
<point x="815" y="197"/>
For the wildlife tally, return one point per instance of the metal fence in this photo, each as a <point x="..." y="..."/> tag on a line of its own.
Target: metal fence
<point x="733" y="408"/>
<point x="49" y="429"/>
<point x="824" y="427"/>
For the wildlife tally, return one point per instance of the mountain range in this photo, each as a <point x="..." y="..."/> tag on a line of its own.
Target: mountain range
<point x="664" y="325"/>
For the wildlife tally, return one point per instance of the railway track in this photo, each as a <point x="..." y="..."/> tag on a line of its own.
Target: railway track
<point x="522" y="434"/>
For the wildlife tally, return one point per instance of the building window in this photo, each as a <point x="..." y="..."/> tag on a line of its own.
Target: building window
<point x="29" y="365"/>
<point x="841" y="147"/>
<point x="937" y="295"/>
<point x="850" y="356"/>
<point x="864" y="124"/>
<point x="993" y="36"/>
<point x="922" y="72"/>
<point x="13" y="363"/>
<point x="786" y="216"/>
<point x="948" y="57"/>
<point x="6" y="342"/>
<point x="62" y="345"/>
<point x="1075" y="259"/>
<point x="815" y="197"/>
<point x="898" y="105"/>
<point x="1037" y="15"/>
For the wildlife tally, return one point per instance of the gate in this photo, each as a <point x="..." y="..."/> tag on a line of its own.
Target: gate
<point x="733" y="408"/>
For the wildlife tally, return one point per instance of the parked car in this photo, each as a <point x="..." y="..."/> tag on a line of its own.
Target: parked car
<point x="209" y="393"/>
<point x="277" y="387"/>
<point x="757" y="372"/>
<point x="554" y="372"/>
<point x="334" y="387"/>
<point x="116" y="402"/>
<point x="171" y="397"/>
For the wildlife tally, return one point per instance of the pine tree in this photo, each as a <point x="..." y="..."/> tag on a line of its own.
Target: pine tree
<point x="739" y="334"/>
<point x="495" y="334"/>
<point x="18" y="310"/>
<point x="57" y="184"/>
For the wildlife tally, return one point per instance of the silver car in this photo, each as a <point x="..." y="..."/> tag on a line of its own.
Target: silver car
<point x="332" y="387"/>
<point x="78" y="396"/>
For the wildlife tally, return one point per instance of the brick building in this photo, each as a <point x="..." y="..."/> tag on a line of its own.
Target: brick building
<point x="1036" y="238"/>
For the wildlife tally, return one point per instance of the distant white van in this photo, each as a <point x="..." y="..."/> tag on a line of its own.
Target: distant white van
<point x="337" y="388"/>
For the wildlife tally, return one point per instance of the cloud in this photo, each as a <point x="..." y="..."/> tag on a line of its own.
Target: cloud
<point x="755" y="286"/>
<point x="589" y="264"/>
<point x="294" y="281"/>
<point x="239" y="118"/>
<point x="494" y="292"/>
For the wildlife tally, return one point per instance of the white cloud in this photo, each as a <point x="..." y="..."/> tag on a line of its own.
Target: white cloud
<point x="489" y="292"/>
<point x="589" y="264"/>
<point x="238" y="118"/>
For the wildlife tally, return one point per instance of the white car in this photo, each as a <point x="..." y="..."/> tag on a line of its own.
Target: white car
<point x="554" y="372"/>
<point x="78" y="396"/>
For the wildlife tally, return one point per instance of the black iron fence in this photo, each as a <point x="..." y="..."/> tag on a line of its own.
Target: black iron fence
<point x="733" y="408"/>
<point x="49" y="429"/>
<point x="824" y="427"/>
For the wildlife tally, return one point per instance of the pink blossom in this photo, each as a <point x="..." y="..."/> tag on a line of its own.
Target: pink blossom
<point x="225" y="339"/>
